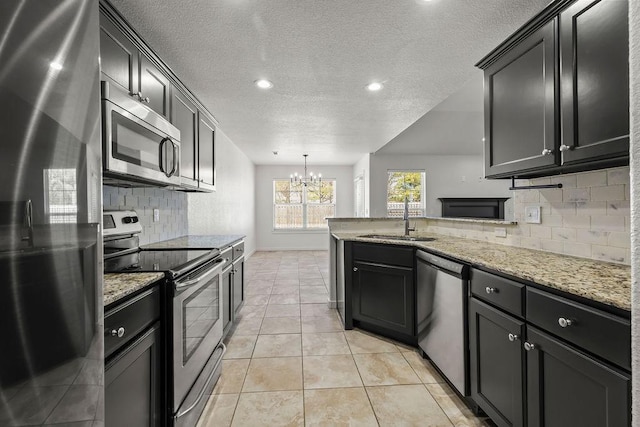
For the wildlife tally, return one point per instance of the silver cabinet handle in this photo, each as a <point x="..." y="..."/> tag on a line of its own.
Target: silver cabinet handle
<point x="141" y="98"/>
<point x="175" y="158"/>
<point x="563" y="322"/>
<point x="564" y="147"/>
<point x="491" y="290"/>
<point x="514" y="337"/>
<point x="355" y="268"/>
<point x="528" y="346"/>
<point x="118" y="332"/>
<point x="547" y="152"/>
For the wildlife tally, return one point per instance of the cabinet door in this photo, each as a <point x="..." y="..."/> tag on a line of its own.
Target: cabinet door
<point x="595" y="80"/>
<point x="184" y="116"/>
<point x="133" y="383"/>
<point x="154" y="87"/>
<point x="227" y="304"/>
<point x="238" y="284"/>
<point x="383" y="295"/>
<point x="497" y="363"/>
<point x="568" y="388"/>
<point x="520" y="106"/>
<point x="118" y="57"/>
<point x="206" y="155"/>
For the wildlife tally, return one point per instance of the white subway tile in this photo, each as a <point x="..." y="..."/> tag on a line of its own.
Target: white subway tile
<point x="611" y="192"/>
<point x="619" y="208"/>
<point x="551" y="194"/>
<point x="592" y="237"/>
<point x="530" y="196"/>
<point x="522" y="230"/>
<point x="551" y="220"/>
<point x="566" y="234"/>
<point x="530" y="243"/>
<point x="576" y="221"/>
<point x="609" y="253"/>
<point x="567" y="181"/>
<point x="591" y="208"/>
<point x="608" y="223"/>
<point x="540" y="231"/>
<point x="541" y="181"/>
<point x="552" y="246"/>
<point x="558" y="208"/>
<point x="577" y="249"/>
<point x="592" y="179"/>
<point x="619" y="239"/>
<point x="618" y="176"/>
<point x="575" y="195"/>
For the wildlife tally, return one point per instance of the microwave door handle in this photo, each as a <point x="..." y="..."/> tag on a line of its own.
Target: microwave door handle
<point x="162" y="156"/>
<point x="175" y="158"/>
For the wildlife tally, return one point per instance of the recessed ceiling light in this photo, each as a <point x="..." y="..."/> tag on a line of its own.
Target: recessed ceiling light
<point x="375" y="86"/>
<point x="263" y="84"/>
<point x="55" y="66"/>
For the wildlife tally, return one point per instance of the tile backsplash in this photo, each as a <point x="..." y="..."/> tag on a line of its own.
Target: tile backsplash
<point x="588" y="217"/>
<point x="172" y="206"/>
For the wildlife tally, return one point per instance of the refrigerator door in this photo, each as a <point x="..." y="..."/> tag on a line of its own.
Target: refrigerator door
<point x="51" y="362"/>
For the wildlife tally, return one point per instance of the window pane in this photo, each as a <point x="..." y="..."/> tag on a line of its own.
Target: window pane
<point x="324" y="193"/>
<point x="288" y="216"/>
<point x="317" y="213"/>
<point x="409" y="185"/>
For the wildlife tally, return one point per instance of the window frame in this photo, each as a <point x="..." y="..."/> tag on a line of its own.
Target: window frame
<point x="305" y="207"/>
<point x="423" y="191"/>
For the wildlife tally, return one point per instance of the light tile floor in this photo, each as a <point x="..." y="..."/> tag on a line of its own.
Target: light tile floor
<point x="290" y="363"/>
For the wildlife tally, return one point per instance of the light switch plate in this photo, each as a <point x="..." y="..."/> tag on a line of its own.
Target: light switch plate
<point x="500" y="232"/>
<point x="156" y="215"/>
<point x="532" y="214"/>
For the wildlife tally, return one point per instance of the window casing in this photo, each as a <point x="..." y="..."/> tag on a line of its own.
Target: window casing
<point x="300" y="207"/>
<point x="410" y="184"/>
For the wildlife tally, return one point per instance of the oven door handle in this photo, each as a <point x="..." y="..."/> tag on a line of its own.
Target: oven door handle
<point x="201" y="394"/>
<point x="196" y="280"/>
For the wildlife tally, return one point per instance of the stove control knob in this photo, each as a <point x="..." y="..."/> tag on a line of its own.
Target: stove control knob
<point x="117" y="332"/>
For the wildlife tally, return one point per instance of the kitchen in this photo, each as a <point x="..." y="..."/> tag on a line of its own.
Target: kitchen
<point x="232" y="195"/>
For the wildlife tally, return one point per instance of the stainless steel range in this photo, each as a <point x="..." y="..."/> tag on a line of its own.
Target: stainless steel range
<point x="192" y="311"/>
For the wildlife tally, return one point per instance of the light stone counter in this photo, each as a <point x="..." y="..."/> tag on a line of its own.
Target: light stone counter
<point x="119" y="285"/>
<point x="599" y="281"/>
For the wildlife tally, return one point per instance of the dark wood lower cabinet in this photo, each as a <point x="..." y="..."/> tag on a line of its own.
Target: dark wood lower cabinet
<point x="384" y="296"/>
<point x="566" y="387"/>
<point x="497" y="363"/>
<point x="227" y="303"/>
<point x="238" y="284"/>
<point x="133" y="383"/>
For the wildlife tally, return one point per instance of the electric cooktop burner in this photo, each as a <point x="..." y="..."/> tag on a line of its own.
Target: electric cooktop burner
<point x="172" y="261"/>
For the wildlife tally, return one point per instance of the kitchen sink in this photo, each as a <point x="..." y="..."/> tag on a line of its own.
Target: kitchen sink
<point x="397" y="237"/>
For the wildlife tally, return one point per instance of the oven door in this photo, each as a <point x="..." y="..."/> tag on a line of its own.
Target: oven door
<point x="138" y="143"/>
<point x="197" y="325"/>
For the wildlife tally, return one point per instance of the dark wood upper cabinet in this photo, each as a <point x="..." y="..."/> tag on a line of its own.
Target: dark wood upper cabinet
<point x="154" y="87"/>
<point x="206" y="155"/>
<point x="118" y="57"/>
<point x="520" y="106"/>
<point x="184" y="116"/>
<point x="594" y="38"/>
<point x="557" y="92"/>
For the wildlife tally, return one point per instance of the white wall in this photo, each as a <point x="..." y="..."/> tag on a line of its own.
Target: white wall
<point x="231" y="208"/>
<point x="634" y="96"/>
<point x="267" y="238"/>
<point x="362" y="167"/>
<point x="444" y="179"/>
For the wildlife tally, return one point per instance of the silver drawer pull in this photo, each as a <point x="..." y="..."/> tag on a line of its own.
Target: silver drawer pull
<point x="547" y="152"/>
<point x="514" y="337"/>
<point x="355" y="268"/>
<point x="529" y="346"/>
<point x="118" y="332"/>
<point x="491" y="290"/>
<point x="563" y="322"/>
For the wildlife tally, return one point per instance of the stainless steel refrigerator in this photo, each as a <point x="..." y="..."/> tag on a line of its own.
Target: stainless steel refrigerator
<point x="51" y="342"/>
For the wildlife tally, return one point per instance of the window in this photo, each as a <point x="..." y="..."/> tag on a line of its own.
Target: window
<point x="407" y="184"/>
<point x="300" y="207"/>
<point x="61" y="196"/>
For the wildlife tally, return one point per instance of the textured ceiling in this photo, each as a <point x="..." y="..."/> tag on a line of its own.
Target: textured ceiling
<point x="320" y="54"/>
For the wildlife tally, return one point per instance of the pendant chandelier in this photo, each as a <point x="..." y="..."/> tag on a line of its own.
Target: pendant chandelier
<point x="304" y="179"/>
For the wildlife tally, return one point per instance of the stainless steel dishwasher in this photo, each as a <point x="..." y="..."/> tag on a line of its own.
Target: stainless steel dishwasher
<point x="441" y="310"/>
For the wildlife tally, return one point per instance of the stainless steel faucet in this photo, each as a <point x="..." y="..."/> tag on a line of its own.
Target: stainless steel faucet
<point x="405" y="217"/>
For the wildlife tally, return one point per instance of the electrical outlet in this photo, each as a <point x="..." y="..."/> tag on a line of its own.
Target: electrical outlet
<point x="500" y="232"/>
<point x="156" y="215"/>
<point x="532" y="214"/>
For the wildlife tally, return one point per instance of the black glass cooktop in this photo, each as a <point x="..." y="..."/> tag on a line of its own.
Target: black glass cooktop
<point x="172" y="262"/>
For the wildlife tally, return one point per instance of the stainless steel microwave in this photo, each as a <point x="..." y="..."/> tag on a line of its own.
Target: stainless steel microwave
<point x="139" y="145"/>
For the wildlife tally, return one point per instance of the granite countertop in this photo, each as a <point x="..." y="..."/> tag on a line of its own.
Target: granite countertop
<point x="212" y="241"/>
<point x="599" y="281"/>
<point x="434" y="218"/>
<point x="119" y="285"/>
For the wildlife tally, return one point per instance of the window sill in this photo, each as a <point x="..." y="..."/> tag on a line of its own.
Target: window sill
<point x="301" y="230"/>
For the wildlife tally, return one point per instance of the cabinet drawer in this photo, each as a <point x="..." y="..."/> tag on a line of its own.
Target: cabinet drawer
<point x="134" y="316"/>
<point x="238" y="250"/>
<point x="504" y="293"/>
<point x="600" y="333"/>
<point x="383" y="254"/>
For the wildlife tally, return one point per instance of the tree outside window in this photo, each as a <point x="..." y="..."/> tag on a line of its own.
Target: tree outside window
<point x="303" y="207"/>
<point x="407" y="184"/>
